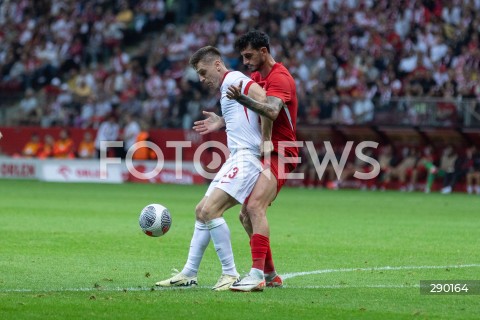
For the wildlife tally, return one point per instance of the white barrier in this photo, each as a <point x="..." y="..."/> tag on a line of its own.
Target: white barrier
<point x="79" y="171"/>
<point x="74" y="170"/>
<point x="11" y="168"/>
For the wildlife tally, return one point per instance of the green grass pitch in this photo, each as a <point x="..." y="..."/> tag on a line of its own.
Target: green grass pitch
<point x="75" y="251"/>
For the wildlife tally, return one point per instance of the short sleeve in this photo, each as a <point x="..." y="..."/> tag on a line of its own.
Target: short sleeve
<point x="247" y="86"/>
<point x="279" y="86"/>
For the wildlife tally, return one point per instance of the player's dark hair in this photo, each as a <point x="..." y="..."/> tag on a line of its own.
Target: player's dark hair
<point x="207" y="54"/>
<point x="256" y="39"/>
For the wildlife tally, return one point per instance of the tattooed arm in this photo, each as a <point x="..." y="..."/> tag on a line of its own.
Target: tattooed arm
<point x="268" y="107"/>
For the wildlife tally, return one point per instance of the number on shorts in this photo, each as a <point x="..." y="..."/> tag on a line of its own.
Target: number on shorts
<point x="233" y="173"/>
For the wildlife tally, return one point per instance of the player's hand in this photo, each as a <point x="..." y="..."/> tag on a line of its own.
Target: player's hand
<point x="212" y="123"/>
<point x="1" y="135"/>
<point x="266" y="147"/>
<point x="234" y="92"/>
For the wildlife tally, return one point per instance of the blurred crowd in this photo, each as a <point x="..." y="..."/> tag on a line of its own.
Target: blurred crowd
<point x="79" y="62"/>
<point x="43" y="145"/>
<point x="405" y="169"/>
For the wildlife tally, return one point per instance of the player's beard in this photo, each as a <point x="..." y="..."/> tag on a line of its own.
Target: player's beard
<point x="253" y="68"/>
<point x="256" y="67"/>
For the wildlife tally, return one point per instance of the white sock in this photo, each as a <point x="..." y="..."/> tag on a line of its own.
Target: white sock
<point x="257" y="273"/>
<point x="221" y="240"/>
<point x="200" y="241"/>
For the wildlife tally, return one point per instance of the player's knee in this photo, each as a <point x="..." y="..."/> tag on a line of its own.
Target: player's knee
<point x="204" y="214"/>
<point x="198" y="212"/>
<point x="208" y="213"/>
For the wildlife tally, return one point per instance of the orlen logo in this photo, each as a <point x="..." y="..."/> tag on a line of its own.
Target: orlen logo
<point x="64" y="171"/>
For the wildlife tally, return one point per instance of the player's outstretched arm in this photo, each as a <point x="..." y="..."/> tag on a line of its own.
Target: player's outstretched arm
<point x="211" y="123"/>
<point x="268" y="106"/>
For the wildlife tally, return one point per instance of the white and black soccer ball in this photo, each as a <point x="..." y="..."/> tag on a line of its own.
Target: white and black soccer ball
<point x="155" y="220"/>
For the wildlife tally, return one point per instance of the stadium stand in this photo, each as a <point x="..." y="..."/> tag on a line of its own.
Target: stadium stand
<point x="403" y="73"/>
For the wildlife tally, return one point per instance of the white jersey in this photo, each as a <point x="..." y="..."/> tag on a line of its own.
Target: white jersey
<point x="242" y="124"/>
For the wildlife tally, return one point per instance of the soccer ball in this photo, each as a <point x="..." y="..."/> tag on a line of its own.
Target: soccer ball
<point x="155" y="220"/>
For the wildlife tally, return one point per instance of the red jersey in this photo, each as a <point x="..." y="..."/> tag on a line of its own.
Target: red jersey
<point x="279" y="83"/>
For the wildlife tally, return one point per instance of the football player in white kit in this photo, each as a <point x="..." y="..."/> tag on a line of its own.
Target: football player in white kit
<point x="236" y="178"/>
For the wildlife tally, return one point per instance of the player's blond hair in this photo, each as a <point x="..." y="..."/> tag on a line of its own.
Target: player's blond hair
<point x="206" y="54"/>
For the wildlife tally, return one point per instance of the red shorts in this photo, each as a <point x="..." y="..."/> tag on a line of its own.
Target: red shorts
<point x="279" y="168"/>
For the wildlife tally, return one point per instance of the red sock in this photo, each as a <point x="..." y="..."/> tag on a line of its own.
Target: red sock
<point x="269" y="267"/>
<point x="260" y="245"/>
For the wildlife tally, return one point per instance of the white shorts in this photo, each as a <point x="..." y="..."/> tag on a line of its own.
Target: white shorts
<point x="237" y="176"/>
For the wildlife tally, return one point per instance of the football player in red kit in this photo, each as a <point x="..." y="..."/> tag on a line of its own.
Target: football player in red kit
<point x="281" y="109"/>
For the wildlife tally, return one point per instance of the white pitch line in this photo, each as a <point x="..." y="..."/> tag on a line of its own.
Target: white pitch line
<point x="143" y="289"/>
<point x="387" y="268"/>
<point x="100" y="289"/>
<point x="285" y="276"/>
<point x="340" y="286"/>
